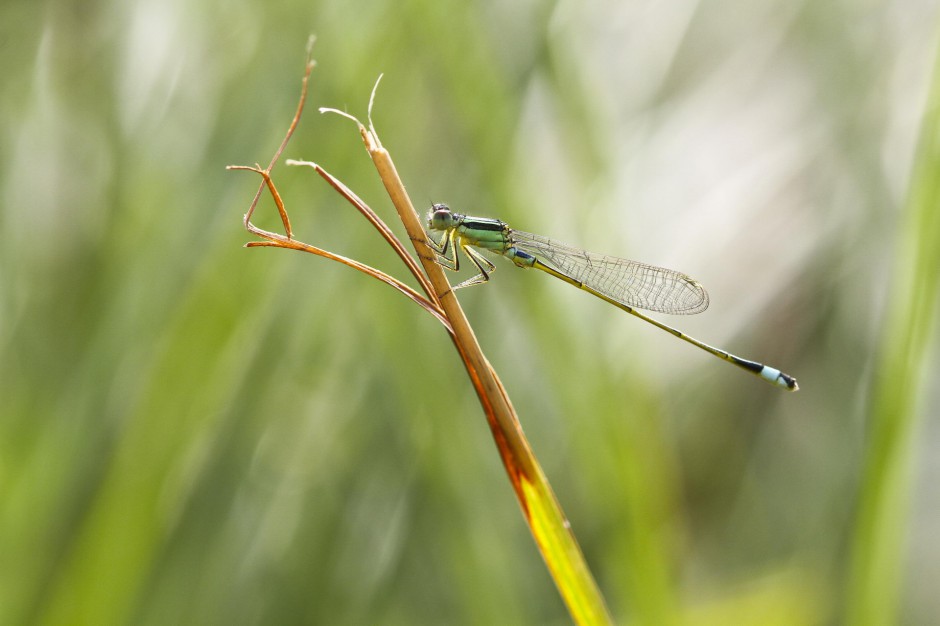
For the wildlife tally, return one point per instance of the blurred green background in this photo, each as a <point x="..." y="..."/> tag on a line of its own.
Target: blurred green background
<point x="196" y="433"/>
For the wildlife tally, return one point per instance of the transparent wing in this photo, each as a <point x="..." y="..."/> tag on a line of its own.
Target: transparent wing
<point x="628" y="282"/>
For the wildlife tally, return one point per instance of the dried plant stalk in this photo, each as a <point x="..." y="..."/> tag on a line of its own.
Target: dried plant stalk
<point x="541" y="509"/>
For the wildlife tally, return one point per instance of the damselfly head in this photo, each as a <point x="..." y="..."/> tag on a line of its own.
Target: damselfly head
<point x="440" y="217"/>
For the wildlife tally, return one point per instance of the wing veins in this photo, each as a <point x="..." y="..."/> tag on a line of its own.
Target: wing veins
<point x="631" y="283"/>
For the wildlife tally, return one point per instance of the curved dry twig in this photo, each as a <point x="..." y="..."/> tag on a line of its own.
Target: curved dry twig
<point x="274" y="240"/>
<point x="377" y="222"/>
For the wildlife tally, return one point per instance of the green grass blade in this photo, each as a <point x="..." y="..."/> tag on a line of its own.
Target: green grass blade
<point x="877" y="552"/>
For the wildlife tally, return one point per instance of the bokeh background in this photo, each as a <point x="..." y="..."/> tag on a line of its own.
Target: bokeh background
<point x="196" y="433"/>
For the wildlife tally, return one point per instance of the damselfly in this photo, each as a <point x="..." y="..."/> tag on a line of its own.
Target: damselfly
<point x="627" y="285"/>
